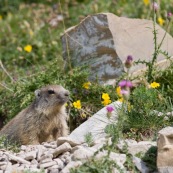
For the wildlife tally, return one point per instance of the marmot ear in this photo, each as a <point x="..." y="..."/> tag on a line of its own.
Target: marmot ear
<point x="37" y="93"/>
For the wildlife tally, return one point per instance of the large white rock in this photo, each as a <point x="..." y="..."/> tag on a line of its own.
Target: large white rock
<point x="103" y="42"/>
<point x="96" y="124"/>
<point x="165" y="150"/>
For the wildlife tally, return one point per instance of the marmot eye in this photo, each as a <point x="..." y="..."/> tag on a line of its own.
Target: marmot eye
<point x="51" y="91"/>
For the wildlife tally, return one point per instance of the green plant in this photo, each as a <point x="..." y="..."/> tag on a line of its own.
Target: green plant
<point x="28" y="171"/>
<point x="6" y="144"/>
<point x="151" y="64"/>
<point x="89" y="139"/>
<point x="97" y="166"/>
<point x="146" y="104"/>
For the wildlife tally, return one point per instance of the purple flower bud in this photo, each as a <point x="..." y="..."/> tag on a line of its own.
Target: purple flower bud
<point x="129" y="61"/>
<point x="155" y="6"/>
<point x="125" y="83"/>
<point x="169" y="15"/>
<point x="109" y="108"/>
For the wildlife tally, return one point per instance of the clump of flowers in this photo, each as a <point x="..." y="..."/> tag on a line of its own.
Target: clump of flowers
<point x="77" y="104"/>
<point x="154" y="85"/>
<point x="28" y="48"/>
<point x="109" y="111"/>
<point x="86" y="85"/>
<point x="106" y="99"/>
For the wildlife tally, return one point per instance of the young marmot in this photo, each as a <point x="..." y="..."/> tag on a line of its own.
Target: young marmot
<point x="44" y="120"/>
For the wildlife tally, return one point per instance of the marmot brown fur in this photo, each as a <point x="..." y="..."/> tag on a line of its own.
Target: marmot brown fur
<point x="44" y="120"/>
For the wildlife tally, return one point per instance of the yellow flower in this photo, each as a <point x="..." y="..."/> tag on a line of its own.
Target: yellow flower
<point x="86" y="85"/>
<point x="161" y="21"/>
<point x="0" y="17"/>
<point x="28" y="48"/>
<point x="105" y="96"/>
<point x="154" y="85"/>
<point x="106" y="102"/>
<point x="146" y="2"/>
<point x="77" y="104"/>
<point x="118" y="91"/>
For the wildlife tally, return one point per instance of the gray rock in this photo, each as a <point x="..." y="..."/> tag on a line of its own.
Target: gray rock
<point x="83" y="154"/>
<point x="141" y="165"/>
<point x="95" y="124"/>
<point x="103" y="42"/>
<point x="165" y="150"/>
<point x="142" y="146"/>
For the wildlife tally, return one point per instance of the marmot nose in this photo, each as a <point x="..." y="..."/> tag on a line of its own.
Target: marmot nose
<point x="66" y="93"/>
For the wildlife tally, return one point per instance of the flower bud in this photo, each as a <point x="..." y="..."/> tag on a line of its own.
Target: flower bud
<point x="129" y="61"/>
<point x="155" y="6"/>
<point x="169" y="15"/>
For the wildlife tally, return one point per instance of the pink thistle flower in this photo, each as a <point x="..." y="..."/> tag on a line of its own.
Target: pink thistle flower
<point x="109" y="111"/>
<point x="125" y="83"/>
<point x="155" y="6"/>
<point x="169" y="15"/>
<point x="109" y="108"/>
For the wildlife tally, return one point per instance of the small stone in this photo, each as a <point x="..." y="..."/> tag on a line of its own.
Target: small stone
<point x="34" y="161"/>
<point x="3" y="167"/>
<point x="41" y="149"/>
<point x="46" y="157"/>
<point x="59" y="162"/>
<point x="47" y="145"/>
<point x="53" y="170"/>
<point x="17" y="159"/>
<point x="62" y="140"/>
<point x="3" y="163"/>
<point x="47" y="164"/>
<point x="61" y="149"/>
<point x="29" y="155"/>
<point x="23" y="147"/>
<point x="46" y="160"/>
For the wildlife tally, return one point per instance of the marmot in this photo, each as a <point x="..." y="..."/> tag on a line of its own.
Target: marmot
<point x="44" y="120"/>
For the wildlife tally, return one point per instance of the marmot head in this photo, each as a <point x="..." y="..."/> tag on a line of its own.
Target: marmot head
<point x="51" y="97"/>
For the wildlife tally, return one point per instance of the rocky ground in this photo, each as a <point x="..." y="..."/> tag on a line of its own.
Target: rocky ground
<point x="61" y="155"/>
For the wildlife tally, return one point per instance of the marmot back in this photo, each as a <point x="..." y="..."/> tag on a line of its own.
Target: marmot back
<point x="44" y="120"/>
